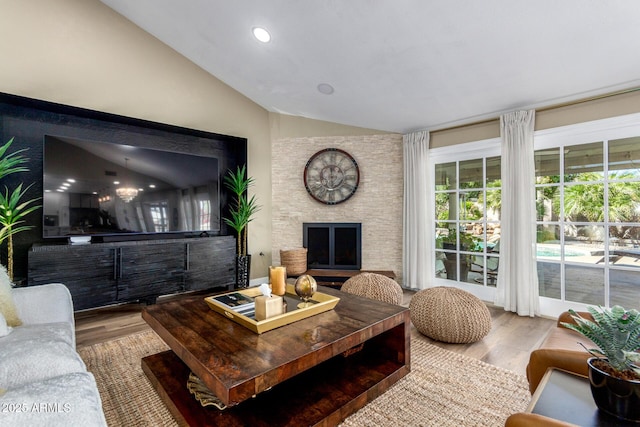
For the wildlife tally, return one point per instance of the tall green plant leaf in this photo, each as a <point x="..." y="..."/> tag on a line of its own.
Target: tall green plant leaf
<point x="11" y="163"/>
<point x="13" y="211"/>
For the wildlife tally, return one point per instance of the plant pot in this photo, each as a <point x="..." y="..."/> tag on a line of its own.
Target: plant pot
<point x="451" y="266"/>
<point x="243" y="269"/>
<point x="617" y="397"/>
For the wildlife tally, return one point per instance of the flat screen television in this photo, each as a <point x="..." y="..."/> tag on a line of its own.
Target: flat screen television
<point x="105" y="189"/>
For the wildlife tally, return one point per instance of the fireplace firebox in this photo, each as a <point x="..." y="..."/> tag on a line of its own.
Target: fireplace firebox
<point x="333" y="246"/>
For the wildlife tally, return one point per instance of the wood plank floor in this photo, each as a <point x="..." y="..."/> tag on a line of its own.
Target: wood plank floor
<point x="508" y="344"/>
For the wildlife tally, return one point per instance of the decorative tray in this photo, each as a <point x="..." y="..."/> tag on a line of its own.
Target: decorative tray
<point x="243" y="315"/>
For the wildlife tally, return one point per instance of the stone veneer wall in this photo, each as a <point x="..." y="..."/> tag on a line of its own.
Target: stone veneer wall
<point x="377" y="203"/>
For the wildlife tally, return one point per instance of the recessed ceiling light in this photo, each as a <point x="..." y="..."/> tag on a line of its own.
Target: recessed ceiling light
<point x="325" y="88"/>
<point x="261" y="34"/>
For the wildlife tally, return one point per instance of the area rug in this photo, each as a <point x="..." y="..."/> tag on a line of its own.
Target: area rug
<point x="442" y="389"/>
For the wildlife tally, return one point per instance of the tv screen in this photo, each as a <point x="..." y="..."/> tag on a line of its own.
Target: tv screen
<point x="105" y="189"/>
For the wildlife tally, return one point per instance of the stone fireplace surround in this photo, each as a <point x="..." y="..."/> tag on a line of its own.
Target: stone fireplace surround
<point x="377" y="204"/>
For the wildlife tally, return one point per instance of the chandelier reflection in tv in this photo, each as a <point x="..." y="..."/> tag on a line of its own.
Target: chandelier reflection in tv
<point x="126" y="193"/>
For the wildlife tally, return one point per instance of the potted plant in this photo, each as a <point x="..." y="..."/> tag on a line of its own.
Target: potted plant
<point x="613" y="373"/>
<point x="240" y="215"/>
<point x="12" y="209"/>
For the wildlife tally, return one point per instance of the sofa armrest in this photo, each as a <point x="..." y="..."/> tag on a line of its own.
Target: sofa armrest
<point x="522" y="419"/>
<point x="44" y="304"/>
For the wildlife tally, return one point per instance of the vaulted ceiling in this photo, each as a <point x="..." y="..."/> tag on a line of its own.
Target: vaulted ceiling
<point x="403" y="65"/>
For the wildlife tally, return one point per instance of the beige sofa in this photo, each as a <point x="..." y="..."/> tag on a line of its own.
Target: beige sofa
<point x="43" y="380"/>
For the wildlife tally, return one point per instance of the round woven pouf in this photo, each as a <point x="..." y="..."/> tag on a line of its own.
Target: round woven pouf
<point x="374" y="286"/>
<point x="450" y="315"/>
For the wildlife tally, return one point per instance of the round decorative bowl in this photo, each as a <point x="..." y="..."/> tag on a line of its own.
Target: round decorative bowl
<point x="305" y="287"/>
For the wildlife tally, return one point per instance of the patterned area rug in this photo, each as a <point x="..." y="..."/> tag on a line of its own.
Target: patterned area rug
<point x="443" y="388"/>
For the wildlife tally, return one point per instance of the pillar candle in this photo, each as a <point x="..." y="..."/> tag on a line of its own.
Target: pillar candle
<point x="277" y="278"/>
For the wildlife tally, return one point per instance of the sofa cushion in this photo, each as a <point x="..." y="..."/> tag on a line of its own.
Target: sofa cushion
<point x="31" y="359"/>
<point x="34" y="334"/>
<point x="4" y="328"/>
<point x="67" y="400"/>
<point x="7" y="306"/>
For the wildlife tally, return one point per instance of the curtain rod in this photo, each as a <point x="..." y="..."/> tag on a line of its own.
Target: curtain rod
<point x="550" y="107"/>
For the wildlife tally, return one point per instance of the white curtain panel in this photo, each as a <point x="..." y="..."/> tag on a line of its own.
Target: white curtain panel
<point x="417" y="254"/>
<point x="517" y="286"/>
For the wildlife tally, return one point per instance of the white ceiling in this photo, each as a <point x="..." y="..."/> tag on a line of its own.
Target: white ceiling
<point x="404" y="65"/>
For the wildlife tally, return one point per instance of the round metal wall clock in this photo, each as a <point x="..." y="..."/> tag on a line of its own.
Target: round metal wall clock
<point x="331" y="176"/>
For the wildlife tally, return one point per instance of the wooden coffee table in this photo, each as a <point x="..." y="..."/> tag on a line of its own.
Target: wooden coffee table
<point x="307" y="373"/>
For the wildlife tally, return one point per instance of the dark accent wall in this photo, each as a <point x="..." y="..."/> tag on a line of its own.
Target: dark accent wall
<point x="29" y="120"/>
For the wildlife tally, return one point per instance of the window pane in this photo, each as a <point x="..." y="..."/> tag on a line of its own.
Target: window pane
<point x="446" y="176"/>
<point x="472" y="236"/>
<point x="492" y="270"/>
<point x="584" y="203"/>
<point x="623" y="246"/>
<point x="493" y="172"/>
<point x="583" y="162"/>
<point x="584" y="243"/>
<point x="547" y="164"/>
<point x="446" y="237"/>
<point x="493" y="237"/>
<point x="446" y="206"/>
<point x="584" y="284"/>
<point x="624" y="158"/>
<point x="548" y="203"/>
<point x="549" y="234"/>
<point x="471" y="174"/>
<point x="451" y="266"/>
<point x="494" y="204"/>
<point x="549" y="279"/>
<point x="624" y="202"/>
<point x="466" y="275"/>
<point x="471" y="205"/>
<point x="623" y="288"/>
<point x="441" y="270"/>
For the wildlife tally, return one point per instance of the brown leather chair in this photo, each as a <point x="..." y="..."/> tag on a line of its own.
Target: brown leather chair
<point x="561" y="349"/>
<point x="534" y="420"/>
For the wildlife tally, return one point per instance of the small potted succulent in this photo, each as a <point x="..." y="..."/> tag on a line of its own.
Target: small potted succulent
<point x="613" y="371"/>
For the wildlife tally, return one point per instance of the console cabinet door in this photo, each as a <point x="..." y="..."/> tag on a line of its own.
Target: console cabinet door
<point x="210" y="263"/>
<point x="88" y="271"/>
<point x="150" y="270"/>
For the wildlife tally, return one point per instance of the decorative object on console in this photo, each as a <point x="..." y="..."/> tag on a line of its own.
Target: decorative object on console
<point x="268" y="305"/>
<point x="331" y="176"/>
<point x="12" y="209"/>
<point x="277" y="279"/>
<point x="450" y="314"/>
<point x="295" y="260"/>
<point x="613" y="371"/>
<point x="374" y="286"/>
<point x="242" y="212"/>
<point x="305" y="287"/>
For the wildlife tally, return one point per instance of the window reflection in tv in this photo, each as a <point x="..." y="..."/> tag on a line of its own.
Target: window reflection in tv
<point x="100" y="188"/>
